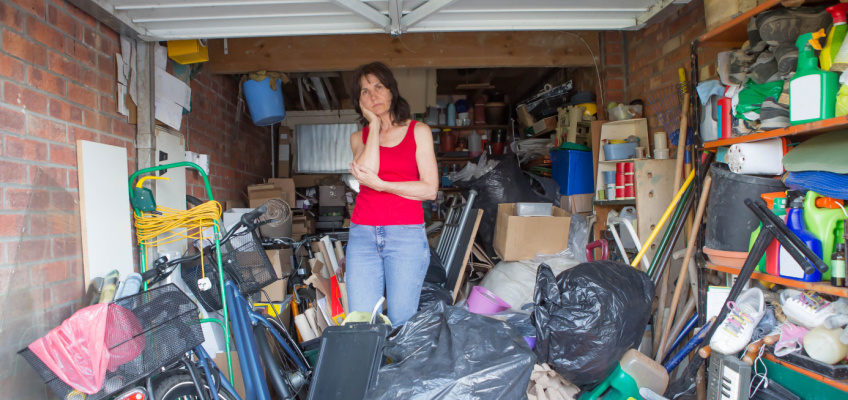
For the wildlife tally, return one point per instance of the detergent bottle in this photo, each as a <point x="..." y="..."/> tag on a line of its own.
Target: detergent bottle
<point x="836" y="35"/>
<point x="823" y="223"/>
<point x="776" y="202"/>
<point x="812" y="92"/>
<point x="788" y="267"/>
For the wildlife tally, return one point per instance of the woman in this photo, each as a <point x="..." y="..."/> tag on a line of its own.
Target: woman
<point x="395" y="164"/>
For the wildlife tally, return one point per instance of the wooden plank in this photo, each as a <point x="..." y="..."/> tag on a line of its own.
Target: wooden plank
<point x="416" y="50"/>
<point x="654" y="191"/>
<point x="104" y="210"/>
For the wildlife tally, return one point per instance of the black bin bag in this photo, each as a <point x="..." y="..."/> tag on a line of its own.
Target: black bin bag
<point x="588" y="317"/>
<point x="444" y="352"/>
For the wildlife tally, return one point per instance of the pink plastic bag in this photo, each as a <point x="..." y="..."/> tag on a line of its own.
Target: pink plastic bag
<point x="78" y="350"/>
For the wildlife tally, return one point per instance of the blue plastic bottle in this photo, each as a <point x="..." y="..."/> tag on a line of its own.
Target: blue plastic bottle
<point x="788" y="267"/>
<point x="451" y="115"/>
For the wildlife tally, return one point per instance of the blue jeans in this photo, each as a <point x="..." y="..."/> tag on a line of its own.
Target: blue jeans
<point x="389" y="259"/>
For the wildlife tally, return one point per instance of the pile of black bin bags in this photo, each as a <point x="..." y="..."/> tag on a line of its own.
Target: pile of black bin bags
<point x="586" y="319"/>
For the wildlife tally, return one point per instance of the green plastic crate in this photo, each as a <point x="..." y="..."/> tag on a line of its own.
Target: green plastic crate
<point x="799" y="384"/>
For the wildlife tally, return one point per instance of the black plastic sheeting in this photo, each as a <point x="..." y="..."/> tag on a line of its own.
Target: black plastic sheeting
<point x="435" y="271"/>
<point x="588" y="317"/>
<point x="505" y="183"/>
<point x="445" y="352"/>
<point x="431" y="292"/>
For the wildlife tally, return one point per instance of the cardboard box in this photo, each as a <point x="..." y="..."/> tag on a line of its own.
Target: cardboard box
<point x="288" y="188"/>
<point x="259" y="194"/>
<point x="303" y="225"/>
<point x="577" y="203"/>
<point x="544" y="125"/>
<point x="522" y="238"/>
<point x="238" y="381"/>
<point x="310" y="180"/>
<point x="331" y="196"/>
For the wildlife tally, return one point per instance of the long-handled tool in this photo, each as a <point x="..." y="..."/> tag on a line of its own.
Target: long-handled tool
<point x="684" y="125"/>
<point x="693" y="238"/>
<point x="663" y="219"/>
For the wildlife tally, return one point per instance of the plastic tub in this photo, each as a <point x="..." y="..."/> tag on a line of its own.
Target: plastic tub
<point x="729" y="221"/>
<point x="265" y="105"/>
<point x="572" y="170"/>
<point x="620" y="113"/>
<point x="620" y="151"/>
<point x="482" y="301"/>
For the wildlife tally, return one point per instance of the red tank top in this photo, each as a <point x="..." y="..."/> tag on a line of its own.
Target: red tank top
<point x="397" y="164"/>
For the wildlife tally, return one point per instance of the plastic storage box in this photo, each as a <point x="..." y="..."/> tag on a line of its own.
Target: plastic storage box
<point x="572" y="169"/>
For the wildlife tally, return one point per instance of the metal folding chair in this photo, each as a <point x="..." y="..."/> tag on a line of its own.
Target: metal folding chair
<point x="453" y="229"/>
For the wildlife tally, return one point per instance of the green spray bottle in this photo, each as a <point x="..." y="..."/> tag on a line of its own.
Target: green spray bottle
<point x="812" y="92"/>
<point x="823" y="223"/>
<point x="836" y="35"/>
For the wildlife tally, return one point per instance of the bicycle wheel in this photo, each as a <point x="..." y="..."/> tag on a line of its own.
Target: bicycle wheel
<point x="181" y="387"/>
<point x="287" y="379"/>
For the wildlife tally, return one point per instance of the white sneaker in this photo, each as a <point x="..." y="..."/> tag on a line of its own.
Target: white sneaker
<point x="735" y="332"/>
<point x="807" y="309"/>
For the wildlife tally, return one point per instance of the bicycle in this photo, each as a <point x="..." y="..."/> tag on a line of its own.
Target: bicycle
<point x="247" y="268"/>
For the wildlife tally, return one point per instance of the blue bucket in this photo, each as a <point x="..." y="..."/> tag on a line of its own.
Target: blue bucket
<point x="265" y="105"/>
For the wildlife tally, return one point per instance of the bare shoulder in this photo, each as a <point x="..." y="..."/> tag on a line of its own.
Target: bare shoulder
<point x="356" y="136"/>
<point x="422" y="131"/>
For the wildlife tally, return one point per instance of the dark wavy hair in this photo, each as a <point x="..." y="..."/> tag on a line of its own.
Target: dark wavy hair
<point x="399" y="109"/>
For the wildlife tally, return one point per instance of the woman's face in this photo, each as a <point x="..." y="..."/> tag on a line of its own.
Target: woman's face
<point x="374" y="96"/>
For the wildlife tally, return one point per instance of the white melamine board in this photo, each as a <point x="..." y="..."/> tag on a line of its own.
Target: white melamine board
<point x="105" y="210"/>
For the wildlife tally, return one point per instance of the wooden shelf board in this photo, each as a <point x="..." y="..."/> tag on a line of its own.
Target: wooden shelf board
<point x="822" y="287"/>
<point x="734" y="32"/>
<point x="825" y="125"/>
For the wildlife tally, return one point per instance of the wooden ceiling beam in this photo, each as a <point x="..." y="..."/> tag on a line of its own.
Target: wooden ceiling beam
<point x="412" y="50"/>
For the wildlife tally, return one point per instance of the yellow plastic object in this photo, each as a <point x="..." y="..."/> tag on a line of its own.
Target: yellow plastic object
<point x="273" y="309"/>
<point x="589" y="109"/>
<point x="188" y="51"/>
<point x="668" y="211"/>
<point x="141" y="181"/>
<point x="814" y="42"/>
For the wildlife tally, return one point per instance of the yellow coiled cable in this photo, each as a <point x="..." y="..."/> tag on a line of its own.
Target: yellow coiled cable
<point x="175" y="225"/>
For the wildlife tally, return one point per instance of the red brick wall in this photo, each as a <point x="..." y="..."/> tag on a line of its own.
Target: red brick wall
<point x="655" y="53"/>
<point x="235" y="160"/>
<point x="57" y="85"/>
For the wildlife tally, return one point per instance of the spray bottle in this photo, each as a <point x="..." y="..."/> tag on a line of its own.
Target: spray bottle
<point x="836" y="35"/>
<point x="812" y="92"/>
<point x="824" y="224"/>
<point x="788" y="267"/>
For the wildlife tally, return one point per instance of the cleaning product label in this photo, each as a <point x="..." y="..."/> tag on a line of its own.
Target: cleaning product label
<point x="837" y="268"/>
<point x="789" y="268"/>
<point x="805" y="102"/>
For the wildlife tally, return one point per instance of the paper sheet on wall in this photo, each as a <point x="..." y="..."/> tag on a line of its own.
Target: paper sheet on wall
<point x="161" y="57"/>
<point x="169" y="113"/>
<point x="168" y="87"/>
<point x="284" y="152"/>
<point x="133" y="88"/>
<point x="121" y="69"/>
<point x="121" y="97"/>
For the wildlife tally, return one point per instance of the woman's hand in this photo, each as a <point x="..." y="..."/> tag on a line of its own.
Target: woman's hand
<point x="373" y="120"/>
<point x="366" y="176"/>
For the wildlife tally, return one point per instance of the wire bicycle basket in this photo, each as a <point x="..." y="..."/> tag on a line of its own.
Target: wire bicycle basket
<point x="144" y="333"/>
<point x="246" y="264"/>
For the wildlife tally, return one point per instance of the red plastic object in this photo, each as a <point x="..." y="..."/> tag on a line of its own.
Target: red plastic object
<point x="336" y="297"/>
<point x="603" y="244"/>
<point x="726" y="119"/>
<point x="497" y="147"/>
